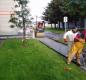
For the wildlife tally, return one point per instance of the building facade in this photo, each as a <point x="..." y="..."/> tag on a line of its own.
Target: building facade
<point x="6" y="9"/>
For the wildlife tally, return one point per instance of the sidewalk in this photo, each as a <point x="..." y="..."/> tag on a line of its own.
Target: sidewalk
<point x="15" y="36"/>
<point x="58" y="47"/>
<point x="53" y="35"/>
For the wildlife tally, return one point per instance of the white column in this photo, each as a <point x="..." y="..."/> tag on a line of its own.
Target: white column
<point x="33" y="34"/>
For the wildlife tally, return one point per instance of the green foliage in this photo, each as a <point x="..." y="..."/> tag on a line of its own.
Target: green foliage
<point x="57" y="31"/>
<point x="12" y="26"/>
<point x="22" y="2"/>
<point x="52" y="12"/>
<point x="13" y="19"/>
<point x="21" y="16"/>
<point x="56" y="9"/>
<point x="74" y="7"/>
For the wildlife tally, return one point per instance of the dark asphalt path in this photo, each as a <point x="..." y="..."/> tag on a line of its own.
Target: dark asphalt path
<point x="59" y="47"/>
<point x="53" y="35"/>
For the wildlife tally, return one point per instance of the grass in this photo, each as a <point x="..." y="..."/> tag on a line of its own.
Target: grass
<point x="58" y="31"/>
<point x="34" y="62"/>
<point x="60" y="41"/>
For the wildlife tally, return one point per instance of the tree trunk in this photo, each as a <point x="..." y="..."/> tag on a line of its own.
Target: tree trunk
<point x="24" y="32"/>
<point x="24" y="29"/>
<point x="63" y="25"/>
<point x="82" y="22"/>
<point x="51" y="25"/>
<point x="68" y="23"/>
<point x="44" y="25"/>
<point x="55" y="26"/>
<point x="59" y="24"/>
<point x="75" y="23"/>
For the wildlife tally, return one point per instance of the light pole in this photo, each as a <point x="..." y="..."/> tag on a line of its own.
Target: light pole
<point x="36" y="20"/>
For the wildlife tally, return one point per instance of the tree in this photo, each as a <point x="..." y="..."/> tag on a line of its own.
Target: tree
<point x="75" y="9"/>
<point x="22" y="16"/>
<point x="53" y="13"/>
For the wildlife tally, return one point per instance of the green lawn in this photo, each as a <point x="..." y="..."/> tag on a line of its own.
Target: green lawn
<point x="58" y="31"/>
<point x="35" y="62"/>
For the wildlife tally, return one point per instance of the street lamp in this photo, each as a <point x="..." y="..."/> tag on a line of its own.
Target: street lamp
<point x="36" y="20"/>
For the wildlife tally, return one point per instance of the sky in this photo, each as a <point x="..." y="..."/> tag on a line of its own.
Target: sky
<point x="37" y="7"/>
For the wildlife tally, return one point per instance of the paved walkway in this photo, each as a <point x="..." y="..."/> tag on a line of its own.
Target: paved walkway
<point x="14" y="36"/>
<point x="53" y="35"/>
<point x="59" y="47"/>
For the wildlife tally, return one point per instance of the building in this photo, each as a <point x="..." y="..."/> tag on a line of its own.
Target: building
<point x="6" y="9"/>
